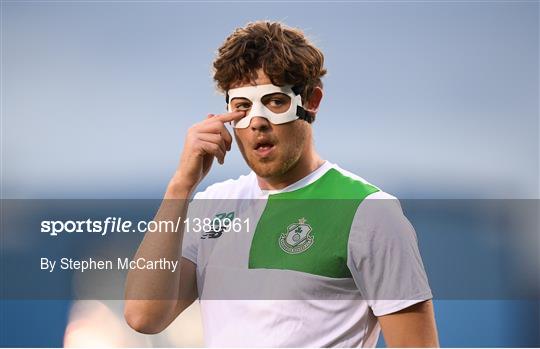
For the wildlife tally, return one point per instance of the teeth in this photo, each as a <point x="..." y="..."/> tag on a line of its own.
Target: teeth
<point x="264" y="146"/>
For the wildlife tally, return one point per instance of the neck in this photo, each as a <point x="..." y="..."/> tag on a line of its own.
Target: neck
<point x="305" y="165"/>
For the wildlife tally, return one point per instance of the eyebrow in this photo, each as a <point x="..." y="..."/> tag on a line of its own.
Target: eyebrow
<point x="243" y="98"/>
<point x="276" y="94"/>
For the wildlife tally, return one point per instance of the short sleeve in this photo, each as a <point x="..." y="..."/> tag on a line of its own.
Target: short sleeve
<point x="190" y="242"/>
<point x="384" y="258"/>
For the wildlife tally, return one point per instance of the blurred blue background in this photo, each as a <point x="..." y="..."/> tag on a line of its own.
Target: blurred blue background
<point x="431" y="99"/>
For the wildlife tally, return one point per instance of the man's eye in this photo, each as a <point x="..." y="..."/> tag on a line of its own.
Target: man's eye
<point x="277" y="102"/>
<point x="243" y="106"/>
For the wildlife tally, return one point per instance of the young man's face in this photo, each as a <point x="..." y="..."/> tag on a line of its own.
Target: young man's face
<point x="271" y="150"/>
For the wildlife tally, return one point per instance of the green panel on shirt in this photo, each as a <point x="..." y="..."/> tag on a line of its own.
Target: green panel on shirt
<point x="307" y="230"/>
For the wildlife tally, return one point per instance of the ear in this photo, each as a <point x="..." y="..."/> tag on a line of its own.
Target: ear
<point x="312" y="105"/>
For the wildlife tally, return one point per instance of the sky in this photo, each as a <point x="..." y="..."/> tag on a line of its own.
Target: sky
<point x="433" y="99"/>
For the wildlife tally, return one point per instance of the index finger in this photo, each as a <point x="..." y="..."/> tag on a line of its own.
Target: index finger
<point x="232" y="116"/>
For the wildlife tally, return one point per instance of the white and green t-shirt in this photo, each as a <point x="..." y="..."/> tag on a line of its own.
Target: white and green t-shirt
<point x="310" y="265"/>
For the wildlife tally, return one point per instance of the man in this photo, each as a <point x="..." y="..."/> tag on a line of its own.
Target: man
<point x="329" y="266"/>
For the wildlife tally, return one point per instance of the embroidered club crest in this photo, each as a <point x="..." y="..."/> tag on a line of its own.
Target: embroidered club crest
<point x="297" y="239"/>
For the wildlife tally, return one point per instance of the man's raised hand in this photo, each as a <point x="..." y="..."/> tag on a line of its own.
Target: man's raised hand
<point x="205" y="141"/>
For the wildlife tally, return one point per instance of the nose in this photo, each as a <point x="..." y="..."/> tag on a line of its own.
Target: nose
<point x="259" y="123"/>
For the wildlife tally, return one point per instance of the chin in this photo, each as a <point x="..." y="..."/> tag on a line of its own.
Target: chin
<point x="266" y="169"/>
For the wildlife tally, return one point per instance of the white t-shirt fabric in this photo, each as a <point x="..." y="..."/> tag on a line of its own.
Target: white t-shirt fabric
<point x="244" y="305"/>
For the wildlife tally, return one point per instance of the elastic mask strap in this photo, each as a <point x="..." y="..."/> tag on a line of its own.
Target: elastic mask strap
<point x="304" y="115"/>
<point x="300" y="111"/>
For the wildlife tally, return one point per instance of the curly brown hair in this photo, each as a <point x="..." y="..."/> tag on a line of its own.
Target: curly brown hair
<point x="285" y="55"/>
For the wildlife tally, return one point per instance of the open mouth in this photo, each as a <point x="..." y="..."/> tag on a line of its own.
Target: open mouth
<point x="264" y="148"/>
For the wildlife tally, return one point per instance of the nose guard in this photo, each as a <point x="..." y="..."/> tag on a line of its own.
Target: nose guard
<point x="255" y="95"/>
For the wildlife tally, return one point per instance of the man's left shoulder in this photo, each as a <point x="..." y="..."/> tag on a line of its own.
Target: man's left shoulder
<point x="352" y="184"/>
<point x="376" y="202"/>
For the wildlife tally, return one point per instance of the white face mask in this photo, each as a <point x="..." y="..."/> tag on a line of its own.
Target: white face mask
<point x="258" y="96"/>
